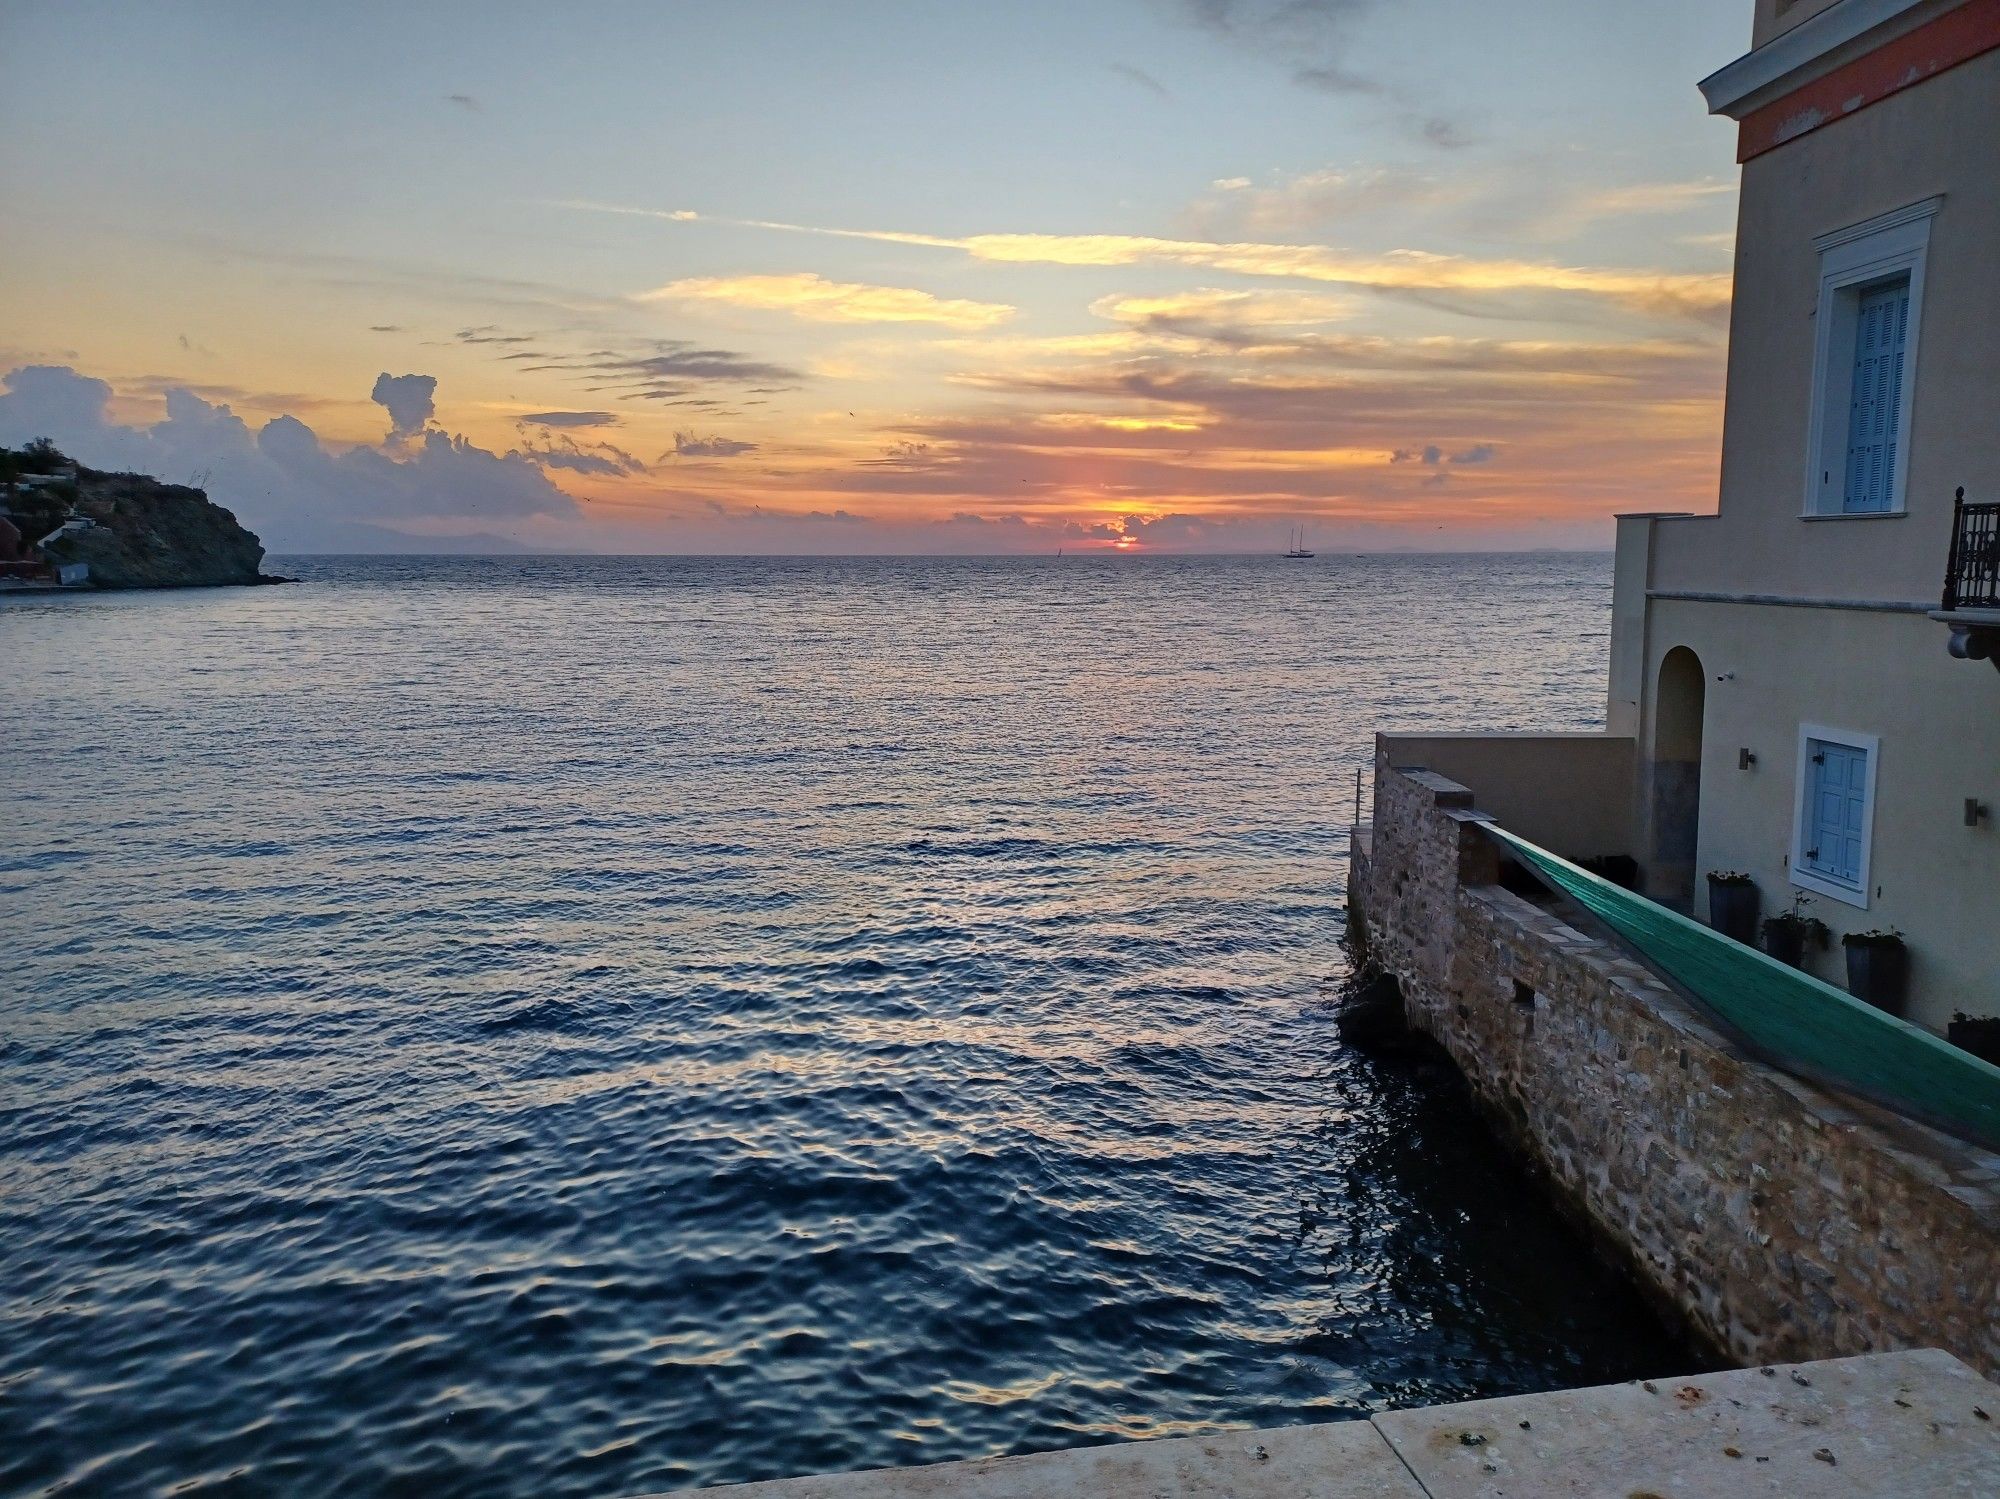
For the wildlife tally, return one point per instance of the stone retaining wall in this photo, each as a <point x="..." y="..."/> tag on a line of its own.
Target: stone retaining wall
<point x="1778" y="1220"/>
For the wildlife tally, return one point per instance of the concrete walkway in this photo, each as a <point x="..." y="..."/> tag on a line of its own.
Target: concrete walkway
<point x="1884" y="1426"/>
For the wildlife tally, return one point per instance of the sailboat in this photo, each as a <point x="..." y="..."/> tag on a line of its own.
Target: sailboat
<point x="1298" y="543"/>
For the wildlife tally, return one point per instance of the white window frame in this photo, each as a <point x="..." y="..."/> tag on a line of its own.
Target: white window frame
<point x="1808" y="879"/>
<point x="1850" y="260"/>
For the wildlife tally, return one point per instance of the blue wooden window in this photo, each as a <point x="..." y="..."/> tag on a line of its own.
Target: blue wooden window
<point x="1836" y="810"/>
<point x="1881" y="333"/>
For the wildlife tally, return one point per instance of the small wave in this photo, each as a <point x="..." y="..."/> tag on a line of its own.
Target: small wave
<point x="828" y="1013"/>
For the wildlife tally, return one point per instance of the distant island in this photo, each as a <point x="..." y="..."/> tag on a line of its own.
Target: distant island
<point x="63" y="525"/>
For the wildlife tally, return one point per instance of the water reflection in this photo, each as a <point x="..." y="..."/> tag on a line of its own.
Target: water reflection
<point x="590" y="1025"/>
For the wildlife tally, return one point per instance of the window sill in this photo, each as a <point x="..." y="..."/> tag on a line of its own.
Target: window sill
<point x="1854" y="515"/>
<point x="1846" y="894"/>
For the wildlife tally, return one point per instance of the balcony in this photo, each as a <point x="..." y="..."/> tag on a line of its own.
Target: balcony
<point x="1972" y="582"/>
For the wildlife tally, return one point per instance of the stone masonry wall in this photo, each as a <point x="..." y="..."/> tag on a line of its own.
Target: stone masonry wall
<point x="1779" y="1221"/>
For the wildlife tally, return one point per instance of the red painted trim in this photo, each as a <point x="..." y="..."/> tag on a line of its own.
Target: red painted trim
<point x="1956" y="36"/>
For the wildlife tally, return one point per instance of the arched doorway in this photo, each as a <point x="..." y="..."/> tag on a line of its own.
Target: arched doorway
<point x="1676" y="777"/>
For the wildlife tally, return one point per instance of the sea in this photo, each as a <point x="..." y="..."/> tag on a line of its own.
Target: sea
<point x="576" y="1025"/>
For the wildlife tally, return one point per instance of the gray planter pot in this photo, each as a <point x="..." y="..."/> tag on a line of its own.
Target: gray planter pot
<point x="1786" y="943"/>
<point x="1980" y="1036"/>
<point x="1732" y="909"/>
<point x="1879" y="973"/>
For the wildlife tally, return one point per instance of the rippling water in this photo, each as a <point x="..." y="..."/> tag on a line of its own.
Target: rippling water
<point x="587" y="1026"/>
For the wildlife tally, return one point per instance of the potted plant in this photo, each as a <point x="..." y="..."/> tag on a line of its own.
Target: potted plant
<point x="1878" y="968"/>
<point x="1788" y="934"/>
<point x="1732" y="904"/>
<point x="1978" y="1034"/>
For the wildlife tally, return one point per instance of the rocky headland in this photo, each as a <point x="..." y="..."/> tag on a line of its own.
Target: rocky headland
<point x="128" y="530"/>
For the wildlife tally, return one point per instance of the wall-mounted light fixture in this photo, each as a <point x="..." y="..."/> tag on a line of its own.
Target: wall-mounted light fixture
<point x="1745" y="759"/>
<point x="1975" y="811"/>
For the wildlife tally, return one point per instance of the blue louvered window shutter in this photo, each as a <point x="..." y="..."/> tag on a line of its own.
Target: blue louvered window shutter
<point x="1836" y="810"/>
<point x="1881" y="332"/>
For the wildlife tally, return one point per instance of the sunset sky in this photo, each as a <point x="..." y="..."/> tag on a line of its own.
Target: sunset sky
<point x="875" y="277"/>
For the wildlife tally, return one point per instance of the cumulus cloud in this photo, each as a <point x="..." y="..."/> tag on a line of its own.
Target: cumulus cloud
<point x="806" y="294"/>
<point x="687" y="445"/>
<point x="280" y="479"/>
<point x="562" y="451"/>
<point x="409" y="400"/>
<point x="584" y="461"/>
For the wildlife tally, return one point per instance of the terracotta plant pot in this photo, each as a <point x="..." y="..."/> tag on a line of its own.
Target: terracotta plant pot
<point x="1732" y="909"/>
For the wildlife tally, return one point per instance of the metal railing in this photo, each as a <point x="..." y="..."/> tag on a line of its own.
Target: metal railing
<point x="1972" y="571"/>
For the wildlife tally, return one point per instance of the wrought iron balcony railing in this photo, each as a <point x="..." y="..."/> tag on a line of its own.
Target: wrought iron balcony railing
<point x="1972" y="572"/>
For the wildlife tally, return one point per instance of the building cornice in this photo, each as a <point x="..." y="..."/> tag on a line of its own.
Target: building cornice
<point x="1731" y="89"/>
<point x="1894" y="219"/>
<point x="1913" y="42"/>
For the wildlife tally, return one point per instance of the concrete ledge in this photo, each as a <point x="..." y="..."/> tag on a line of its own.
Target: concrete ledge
<point x="1445" y="792"/>
<point x="1338" y="1460"/>
<point x="1882" y="1426"/>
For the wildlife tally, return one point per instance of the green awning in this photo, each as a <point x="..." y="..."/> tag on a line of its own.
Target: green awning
<point x="1790" y="1018"/>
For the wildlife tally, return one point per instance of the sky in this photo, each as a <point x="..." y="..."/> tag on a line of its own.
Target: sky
<point x="1142" y="275"/>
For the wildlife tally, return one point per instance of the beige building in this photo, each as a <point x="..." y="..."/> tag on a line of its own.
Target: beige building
<point x="1796" y="691"/>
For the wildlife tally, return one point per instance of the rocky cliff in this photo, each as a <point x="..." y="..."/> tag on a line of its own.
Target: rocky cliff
<point x="145" y="534"/>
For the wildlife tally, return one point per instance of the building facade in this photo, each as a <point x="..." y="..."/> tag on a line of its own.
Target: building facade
<point x="1802" y="695"/>
<point x="1805" y="712"/>
<point x="1801" y="685"/>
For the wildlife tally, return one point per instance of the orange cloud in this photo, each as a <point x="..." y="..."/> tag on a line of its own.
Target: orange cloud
<point x="1244" y="308"/>
<point x="1702" y="294"/>
<point x="808" y="295"/>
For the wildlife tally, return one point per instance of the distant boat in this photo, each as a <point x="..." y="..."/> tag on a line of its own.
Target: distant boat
<point x="1298" y="543"/>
